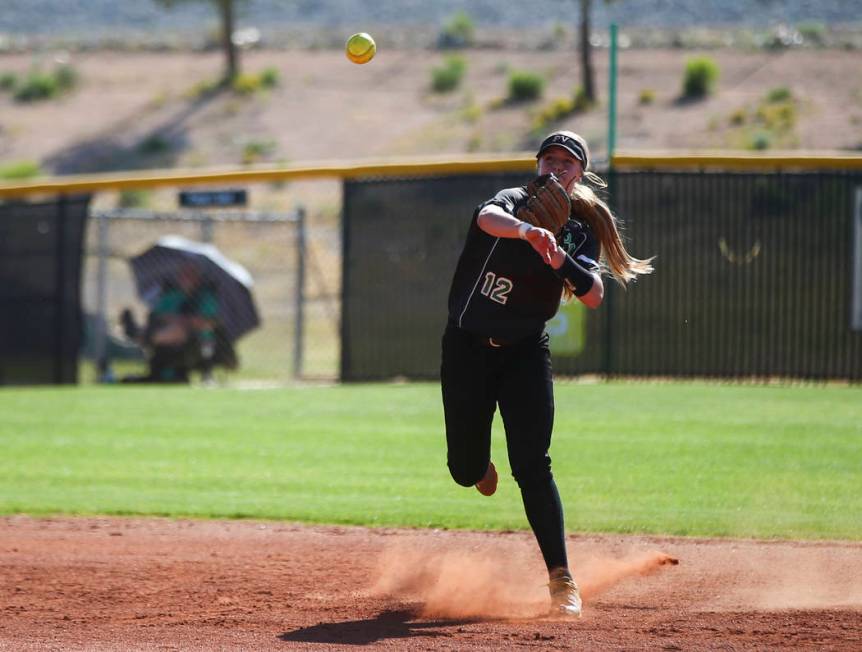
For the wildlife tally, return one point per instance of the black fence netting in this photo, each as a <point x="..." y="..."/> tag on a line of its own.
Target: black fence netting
<point x="40" y="278"/>
<point x="753" y="276"/>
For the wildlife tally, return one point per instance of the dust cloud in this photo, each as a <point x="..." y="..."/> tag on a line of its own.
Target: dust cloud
<point x="597" y="575"/>
<point x="805" y="577"/>
<point x="492" y="582"/>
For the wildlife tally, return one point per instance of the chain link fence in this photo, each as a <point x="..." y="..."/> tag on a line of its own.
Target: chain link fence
<point x="758" y="273"/>
<point x="756" y="276"/>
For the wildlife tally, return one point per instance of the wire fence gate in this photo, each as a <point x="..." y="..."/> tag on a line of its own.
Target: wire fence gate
<point x="273" y="247"/>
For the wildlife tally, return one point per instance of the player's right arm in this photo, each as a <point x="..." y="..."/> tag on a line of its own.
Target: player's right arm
<point x="495" y="221"/>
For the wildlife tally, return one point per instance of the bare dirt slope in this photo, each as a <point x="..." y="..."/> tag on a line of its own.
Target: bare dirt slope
<point x="154" y="584"/>
<point x="140" y="109"/>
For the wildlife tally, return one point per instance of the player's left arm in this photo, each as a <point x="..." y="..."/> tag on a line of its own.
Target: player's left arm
<point x="584" y="279"/>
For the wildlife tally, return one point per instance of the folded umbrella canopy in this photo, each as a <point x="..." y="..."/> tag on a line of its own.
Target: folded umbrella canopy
<point x="164" y="261"/>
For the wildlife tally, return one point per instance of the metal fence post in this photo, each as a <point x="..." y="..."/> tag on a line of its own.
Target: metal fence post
<point x="608" y="334"/>
<point x="856" y="261"/>
<point x="206" y="229"/>
<point x="60" y="288"/>
<point x="101" y="322"/>
<point x="612" y="95"/>
<point x="300" y="292"/>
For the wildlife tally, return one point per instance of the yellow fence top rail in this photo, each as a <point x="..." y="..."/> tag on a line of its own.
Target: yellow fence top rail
<point x="82" y="184"/>
<point x="766" y="162"/>
<point x="75" y="184"/>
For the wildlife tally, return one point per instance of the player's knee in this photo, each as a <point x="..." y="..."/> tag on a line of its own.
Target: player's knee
<point x="467" y="475"/>
<point x="536" y="474"/>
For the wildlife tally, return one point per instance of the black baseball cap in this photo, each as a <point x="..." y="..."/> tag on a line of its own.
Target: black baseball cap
<point x="569" y="141"/>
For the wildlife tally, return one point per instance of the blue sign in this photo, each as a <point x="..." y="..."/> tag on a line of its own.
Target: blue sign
<point x="213" y="198"/>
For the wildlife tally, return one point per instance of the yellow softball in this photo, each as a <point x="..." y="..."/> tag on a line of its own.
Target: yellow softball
<point x="361" y="48"/>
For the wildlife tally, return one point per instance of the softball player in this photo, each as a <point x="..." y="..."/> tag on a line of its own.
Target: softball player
<point x="508" y="282"/>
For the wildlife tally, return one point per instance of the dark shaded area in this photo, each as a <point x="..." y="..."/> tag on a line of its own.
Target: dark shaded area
<point x="40" y="277"/>
<point x="392" y="624"/>
<point x="113" y="148"/>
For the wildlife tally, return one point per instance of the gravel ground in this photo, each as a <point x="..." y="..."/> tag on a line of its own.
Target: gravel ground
<point x="158" y="584"/>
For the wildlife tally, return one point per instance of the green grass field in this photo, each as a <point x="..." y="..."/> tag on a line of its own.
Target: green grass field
<point x="675" y="458"/>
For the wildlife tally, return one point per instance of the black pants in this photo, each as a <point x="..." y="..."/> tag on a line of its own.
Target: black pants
<point x="475" y="378"/>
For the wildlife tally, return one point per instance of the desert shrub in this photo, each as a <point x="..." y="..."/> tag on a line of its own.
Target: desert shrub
<point x="646" y="96"/>
<point x="778" y="111"/>
<point x="701" y="73"/>
<point x="255" y="151"/>
<point x="561" y="108"/>
<point x="134" y="198"/>
<point x="770" y="124"/>
<point x="246" y="84"/>
<point x="153" y="145"/>
<point x="525" y="86"/>
<point x="447" y="77"/>
<point x="813" y="32"/>
<point x="779" y="94"/>
<point x="250" y="83"/>
<point x="8" y="81"/>
<point x="159" y="100"/>
<point x="270" y="77"/>
<point x="20" y="170"/>
<point x="556" y="110"/>
<point x="779" y="116"/>
<point x="458" y="32"/>
<point x="37" y="86"/>
<point x="203" y="88"/>
<point x="760" y="140"/>
<point x="66" y="76"/>
<point x="738" y="117"/>
<point x="580" y="101"/>
<point x="471" y="111"/>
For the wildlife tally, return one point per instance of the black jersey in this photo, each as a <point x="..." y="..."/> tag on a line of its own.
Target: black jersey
<point x="502" y="288"/>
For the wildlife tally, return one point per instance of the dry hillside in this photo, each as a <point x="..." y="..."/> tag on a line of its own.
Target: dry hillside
<point x="143" y="110"/>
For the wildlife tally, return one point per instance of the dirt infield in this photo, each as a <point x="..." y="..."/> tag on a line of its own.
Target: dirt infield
<point x="156" y="584"/>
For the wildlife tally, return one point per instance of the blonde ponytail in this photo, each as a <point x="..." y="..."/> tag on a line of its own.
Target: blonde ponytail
<point x="587" y="206"/>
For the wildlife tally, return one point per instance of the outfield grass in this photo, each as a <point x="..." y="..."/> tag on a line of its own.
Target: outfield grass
<point x="676" y="458"/>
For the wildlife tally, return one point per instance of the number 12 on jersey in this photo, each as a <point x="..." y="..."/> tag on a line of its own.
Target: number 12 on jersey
<point x="496" y="288"/>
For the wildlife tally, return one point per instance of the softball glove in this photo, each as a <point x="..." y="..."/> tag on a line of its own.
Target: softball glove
<point x="548" y="204"/>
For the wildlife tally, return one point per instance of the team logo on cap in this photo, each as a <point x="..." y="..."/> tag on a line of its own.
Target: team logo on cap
<point x="566" y="142"/>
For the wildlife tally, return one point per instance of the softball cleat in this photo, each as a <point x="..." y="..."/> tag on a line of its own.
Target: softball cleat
<point x="488" y="485"/>
<point x="565" y="597"/>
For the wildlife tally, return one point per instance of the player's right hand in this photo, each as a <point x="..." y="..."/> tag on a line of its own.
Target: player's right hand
<point x="543" y="241"/>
